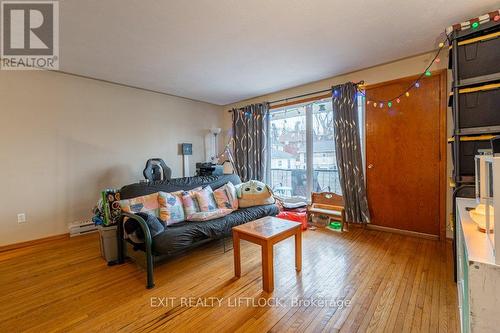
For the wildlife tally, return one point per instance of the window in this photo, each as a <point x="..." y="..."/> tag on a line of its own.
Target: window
<point x="288" y="142"/>
<point x="325" y="171"/>
<point x="302" y="138"/>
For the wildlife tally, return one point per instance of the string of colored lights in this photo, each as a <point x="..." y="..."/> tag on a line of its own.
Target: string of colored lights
<point x="415" y="84"/>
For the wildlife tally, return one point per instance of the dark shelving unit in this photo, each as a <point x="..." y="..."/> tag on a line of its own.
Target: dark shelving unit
<point x="467" y="51"/>
<point x="467" y="44"/>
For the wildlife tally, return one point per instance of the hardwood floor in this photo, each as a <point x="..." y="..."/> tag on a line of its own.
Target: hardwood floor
<point x="393" y="282"/>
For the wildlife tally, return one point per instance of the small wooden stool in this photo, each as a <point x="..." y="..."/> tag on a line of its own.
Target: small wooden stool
<point x="266" y="232"/>
<point x="329" y="204"/>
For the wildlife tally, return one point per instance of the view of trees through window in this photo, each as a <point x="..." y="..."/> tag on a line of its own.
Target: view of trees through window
<point x="289" y="156"/>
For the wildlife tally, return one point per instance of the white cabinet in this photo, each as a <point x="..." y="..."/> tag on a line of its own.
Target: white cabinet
<point x="478" y="277"/>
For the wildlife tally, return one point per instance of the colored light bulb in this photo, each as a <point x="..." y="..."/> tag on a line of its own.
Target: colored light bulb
<point x="437" y="60"/>
<point x="375" y="104"/>
<point x="381" y="105"/>
<point x="389" y="104"/>
<point x="475" y="25"/>
<point x="398" y="100"/>
<point x="417" y="85"/>
<point x="441" y="45"/>
<point x="407" y="94"/>
<point x="428" y="73"/>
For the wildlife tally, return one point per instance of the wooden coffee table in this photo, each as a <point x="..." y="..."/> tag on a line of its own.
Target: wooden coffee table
<point x="266" y="232"/>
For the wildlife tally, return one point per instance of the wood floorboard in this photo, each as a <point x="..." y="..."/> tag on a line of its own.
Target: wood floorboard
<point x="327" y="287"/>
<point x="366" y="289"/>
<point x="394" y="283"/>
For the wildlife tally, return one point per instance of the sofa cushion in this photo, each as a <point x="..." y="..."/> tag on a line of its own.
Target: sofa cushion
<point x="143" y="204"/>
<point x="205" y="198"/>
<point x="189" y="201"/>
<point x="225" y="196"/>
<point x="171" y="208"/>
<point x="186" y="234"/>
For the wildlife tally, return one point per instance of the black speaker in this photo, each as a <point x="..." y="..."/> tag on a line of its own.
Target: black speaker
<point x="208" y="169"/>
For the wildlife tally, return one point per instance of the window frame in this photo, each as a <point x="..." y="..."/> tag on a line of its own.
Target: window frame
<point x="309" y="155"/>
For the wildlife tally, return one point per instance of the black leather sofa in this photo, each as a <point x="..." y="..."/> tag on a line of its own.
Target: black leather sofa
<point x="184" y="235"/>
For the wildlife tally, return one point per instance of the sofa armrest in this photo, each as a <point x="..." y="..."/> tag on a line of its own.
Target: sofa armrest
<point x="142" y="224"/>
<point x="148" y="244"/>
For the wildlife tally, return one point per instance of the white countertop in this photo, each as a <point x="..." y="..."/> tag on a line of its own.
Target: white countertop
<point x="478" y="246"/>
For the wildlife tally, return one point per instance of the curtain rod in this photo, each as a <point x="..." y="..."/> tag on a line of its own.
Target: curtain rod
<point x="309" y="94"/>
<point x="300" y="96"/>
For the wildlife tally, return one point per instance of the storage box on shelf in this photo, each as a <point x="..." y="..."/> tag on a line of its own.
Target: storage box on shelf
<point x="477" y="53"/>
<point x="470" y="146"/>
<point x="478" y="108"/>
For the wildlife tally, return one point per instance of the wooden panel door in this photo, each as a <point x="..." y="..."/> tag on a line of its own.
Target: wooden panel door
<point x="404" y="166"/>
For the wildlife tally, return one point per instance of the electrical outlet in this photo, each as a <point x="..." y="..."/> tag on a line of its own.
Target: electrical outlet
<point x="21" y="218"/>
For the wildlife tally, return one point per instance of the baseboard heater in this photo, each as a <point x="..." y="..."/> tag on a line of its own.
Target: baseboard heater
<point x="81" y="228"/>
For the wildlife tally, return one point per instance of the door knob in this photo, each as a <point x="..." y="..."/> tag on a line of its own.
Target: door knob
<point x="370" y="166"/>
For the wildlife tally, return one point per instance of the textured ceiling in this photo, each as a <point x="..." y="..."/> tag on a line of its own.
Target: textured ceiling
<point x="223" y="51"/>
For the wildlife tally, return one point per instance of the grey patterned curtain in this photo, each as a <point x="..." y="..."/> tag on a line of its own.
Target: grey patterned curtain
<point x="348" y="152"/>
<point x="250" y="131"/>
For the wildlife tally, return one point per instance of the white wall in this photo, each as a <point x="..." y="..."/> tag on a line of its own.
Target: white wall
<point x="65" y="138"/>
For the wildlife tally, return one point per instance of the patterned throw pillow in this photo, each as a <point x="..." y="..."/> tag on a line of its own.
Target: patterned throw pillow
<point x="144" y="204"/>
<point x="189" y="201"/>
<point x="206" y="216"/>
<point x="225" y="197"/>
<point x="205" y="198"/>
<point x="171" y="208"/>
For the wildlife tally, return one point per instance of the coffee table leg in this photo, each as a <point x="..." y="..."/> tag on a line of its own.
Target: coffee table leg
<point x="298" y="250"/>
<point x="236" y="249"/>
<point x="267" y="267"/>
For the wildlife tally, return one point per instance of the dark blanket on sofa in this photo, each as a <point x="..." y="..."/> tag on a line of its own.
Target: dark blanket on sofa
<point x="187" y="234"/>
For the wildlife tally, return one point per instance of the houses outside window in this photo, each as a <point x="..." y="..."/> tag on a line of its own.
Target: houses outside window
<point x="302" y="142"/>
